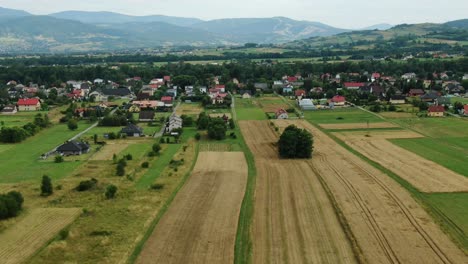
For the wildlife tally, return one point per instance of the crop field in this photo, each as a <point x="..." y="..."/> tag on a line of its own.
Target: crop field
<point x="220" y="115"/>
<point x="189" y="109"/>
<point x="294" y="221"/>
<point x="28" y="236"/>
<point x="425" y="175"/>
<point x="341" y="116"/>
<point x="108" y="151"/>
<point x="215" y="147"/>
<point x="200" y="225"/>
<point x="249" y="109"/>
<point x="388" y="225"/>
<point x="436" y="127"/>
<point x="358" y="125"/>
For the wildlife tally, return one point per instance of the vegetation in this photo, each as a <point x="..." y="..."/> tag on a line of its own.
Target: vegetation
<point x="10" y="204"/>
<point x="46" y="186"/>
<point x="111" y="190"/>
<point x="295" y="143"/>
<point x="217" y="129"/>
<point x="72" y="124"/>
<point x="86" y="185"/>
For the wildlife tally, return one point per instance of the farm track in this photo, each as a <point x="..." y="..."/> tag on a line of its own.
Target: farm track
<point x="294" y="220"/>
<point x="201" y="223"/>
<point x="25" y="238"/>
<point x="389" y="226"/>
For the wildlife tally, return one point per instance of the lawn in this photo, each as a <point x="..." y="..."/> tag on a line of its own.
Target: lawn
<point x="249" y="109"/>
<point x="451" y="153"/>
<point x="20" y="162"/>
<point x="459" y="99"/>
<point x="436" y="127"/>
<point x="343" y="115"/>
<point x="19" y="119"/>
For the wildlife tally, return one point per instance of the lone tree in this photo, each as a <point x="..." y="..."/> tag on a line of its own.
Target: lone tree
<point x="72" y="124"/>
<point x="111" y="190"/>
<point x="46" y="186"/>
<point x="295" y="143"/>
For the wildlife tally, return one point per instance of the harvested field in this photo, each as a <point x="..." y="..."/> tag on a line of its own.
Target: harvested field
<point x="108" y="151"/>
<point x="201" y="224"/>
<point x="425" y="175"/>
<point x="358" y="125"/>
<point x="388" y="224"/>
<point x="215" y="147"/>
<point x="189" y="109"/>
<point x="294" y="221"/>
<point x="397" y="115"/>
<point x="21" y="241"/>
<point x="221" y="115"/>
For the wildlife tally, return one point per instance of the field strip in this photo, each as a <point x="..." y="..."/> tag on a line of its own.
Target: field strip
<point x="108" y="151"/>
<point x="200" y="225"/>
<point x="425" y="175"/>
<point x="358" y="125"/>
<point x="388" y="224"/>
<point x="220" y="115"/>
<point x="294" y="220"/>
<point x="21" y="241"/>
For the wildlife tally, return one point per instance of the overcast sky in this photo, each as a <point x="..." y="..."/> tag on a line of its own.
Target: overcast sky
<point x="338" y="13"/>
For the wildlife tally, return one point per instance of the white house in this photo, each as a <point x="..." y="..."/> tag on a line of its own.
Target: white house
<point x="98" y="81"/>
<point x="175" y="122"/>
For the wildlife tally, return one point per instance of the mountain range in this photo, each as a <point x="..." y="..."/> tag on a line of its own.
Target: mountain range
<point x="79" y="31"/>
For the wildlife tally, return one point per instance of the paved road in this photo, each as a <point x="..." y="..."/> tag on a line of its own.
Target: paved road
<point x="233" y="108"/>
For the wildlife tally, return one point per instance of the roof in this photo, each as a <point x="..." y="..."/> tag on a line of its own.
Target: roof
<point x="9" y="109"/>
<point x="167" y="78"/>
<point x="398" y="97"/>
<point x="299" y="92"/>
<point x="220" y="86"/>
<point x="436" y="109"/>
<point x="280" y="112"/>
<point x="25" y="102"/>
<point x="292" y="79"/>
<point x="73" y="146"/>
<point x="376" y="75"/>
<point x="116" y="92"/>
<point x="131" y="129"/>
<point x="353" y="84"/>
<point x="338" y="99"/>
<point x="416" y="91"/>
<point x="465" y="107"/>
<point x="166" y="98"/>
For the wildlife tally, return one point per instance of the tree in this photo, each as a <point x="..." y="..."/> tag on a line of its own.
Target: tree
<point x="72" y="124"/>
<point x="203" y="121"/>
<point x="232" y="125"/>
<point x="120" y="169"/>
<point x="58" y="159"/>
<point x="111" y="190"/>
<point x="217" y="129"/>
<point x="295" y="143"/>
<point x="156" y="148"/>
<point x="46" y="186"/>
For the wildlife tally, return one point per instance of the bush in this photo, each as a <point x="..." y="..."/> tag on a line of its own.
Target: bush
<point x="86" y="185"/>
<point x="151" y="154"/>
<point x="295" y="143"/>
<point x="63" y="234"/>
<point x="233" y="135"/>
<point x="120" y="170"/>
<point x="145" y="165"/>
<point x="129" y="157"/>
<point x="72" y="124"/>
<point x="111" y="190"/>
<point x="112" y="136"/>
<point x="10" y="204"/>
<point x="232" y="125"/>
<point x="58" y="159"/>
<point x="156" y="148"/>
<point x="46" y="186"/>
<point x="122" y="162"/>
<point x="157" y="186"/>
<point x="392" y="108"/>
<point x="197" y="136"/>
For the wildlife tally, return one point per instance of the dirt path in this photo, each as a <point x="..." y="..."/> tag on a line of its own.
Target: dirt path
<point x="389" y="225"/>
<point x="201" y="224"/>
<point x="425" y="175"/>
<point x="294" y="221"/>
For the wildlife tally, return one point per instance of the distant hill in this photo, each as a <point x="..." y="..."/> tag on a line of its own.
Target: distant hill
<point x="11" y="13"/>
<point x="382" y="26"/>
<point x="116" y="18"/>
<point x="266" y="30"/>
<point x="462" y="23"/>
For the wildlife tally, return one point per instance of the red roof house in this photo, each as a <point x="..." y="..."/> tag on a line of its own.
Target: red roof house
<point x="376" y="76"/>
<point x="299" y="93"/>
<point x="32" y="104"/>
<point x="353" y="85"/>
<point x="167" y="78"/>
<point x="338" y="100"/>
<point x="166" y="99"/>
<point x="416" y="92"/>
<point x="436" y="110"/>
<point x="465" y="110"/>
<point x="281" y="114"/>
<point x="221" y="88"/>
<point x="292" y="79"/>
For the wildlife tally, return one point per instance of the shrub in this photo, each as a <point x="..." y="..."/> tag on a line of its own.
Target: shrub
<point x="112" y="136"/>
<point x="72" y="124"/>
<point x="58" y="159"/>
<point x="151" y="154"/>
<point x="145" y="165"/>
<point x="129" y="157"/>
<point x="157" y="186"/>
<point x="111" y="190"/>
<point x="120" y="170"/>
<point x="197" y="136"/>
<point x="86" y="185"/>
<point x="156" y="148"/>
<point x="122" y="162"/>
<point x="63" y="234"/>
<point x="46" y="186"/>
<point x="10" y="204"/>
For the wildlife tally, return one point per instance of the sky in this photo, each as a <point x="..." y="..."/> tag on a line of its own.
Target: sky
<point x="339" y="13"/>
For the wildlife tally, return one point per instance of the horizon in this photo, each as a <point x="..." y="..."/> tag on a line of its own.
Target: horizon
<point x="335" y="19"/>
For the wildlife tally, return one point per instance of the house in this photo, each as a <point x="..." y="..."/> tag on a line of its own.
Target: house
<point x="338" y="100"/>
<point x="98" y="96"/>
<point x="119" y="92"/>
<point x="409" y="76"/>
<point x="146" y="116"/>
<point x="397" y="99"/>
<point x="246" y="95"/>
<point x="261" y="86"/>
<point x="98" y="81"/>
<point x="317" y="90"/>
<point x="132" y="130"/>
<point x="465" y="77"/>
<point x="416" y="92"/>
<point x="167" y="79"/>
<point x="353" y="85"/>
<point x="175" y="122"/>
<point x="202" y="89"/>
<point x="427" y="83"/>
<point x="306" y="104"/>
<point x="218" y="98"/>
<point x="287" y="90"/>
<point x="9" y="110"/>
<point x="134" y="109"/>
<point x="32" y="104"/>
<point x="291" y="79"/>
<point x="281" y="114"/>
<point x="375" y="76"/>
<point x="429" y="97"/>
<point x="152" y="104"/>
<point x="300" y="93"/>
<point x="167" y="100"/>
<point x="73" y="148"/>
<point x="436" y="111"/>
<point x="172" y="92"/>
<point x="221" y="88"/>
<point x="443" y="100"/>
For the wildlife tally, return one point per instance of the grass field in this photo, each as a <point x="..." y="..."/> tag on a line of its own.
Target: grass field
<point x="25" y="165"/>
<point x="340" y="116"/>
<point x="249" y="109"/>
<point x="436" y="127"/>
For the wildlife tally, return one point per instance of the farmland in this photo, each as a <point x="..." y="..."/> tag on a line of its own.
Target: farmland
<point x="200" y="226"/>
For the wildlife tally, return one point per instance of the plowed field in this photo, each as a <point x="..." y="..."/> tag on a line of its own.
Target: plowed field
<point x="294" y="221"/>
<point x="201" y="224"/>
<point x="388" y="224"/>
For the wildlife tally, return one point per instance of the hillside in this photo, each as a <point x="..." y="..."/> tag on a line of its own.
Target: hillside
<point x="116" y="18"/>
<point x="9" y="13"/>
<point x="462" y="23"/>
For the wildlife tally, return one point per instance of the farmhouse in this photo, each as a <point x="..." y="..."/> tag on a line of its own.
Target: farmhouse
<point x="338" y="100"/>
<point x="436" y="111"/>
<point x="397" y="99"/>
<point x="33" y="104"/>
<point x="353" y="85"/>
<point x="9" y="110"/>
<point x="281" y="114"/>
<point x="175" y="122"/>
<point x="146" y="116"/>
<point x="73" y="148"/>
<point x="416" y="92"/>
<point x="132" y="130"/>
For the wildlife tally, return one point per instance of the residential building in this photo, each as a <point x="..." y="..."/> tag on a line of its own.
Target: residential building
<point x="32" y="104"/>
<point x="353" y="85"/>
<point x="307" y="104"/>
<point x="9" y="110"/>
<point x="175" y="122"/>
<point x="436" y="111"/>
<point x="338" y="100"/>
<point x="132" y="130"/>
<point x="397" y="99"/>
<point x="281" y="114"/>
<point x="146" y="116"/>
<point x="73" y="148"/>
